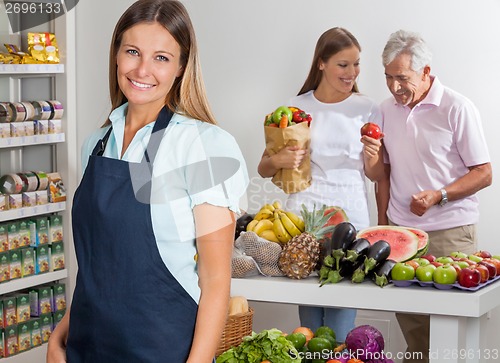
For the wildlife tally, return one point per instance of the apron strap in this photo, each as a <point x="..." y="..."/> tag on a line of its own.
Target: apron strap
<point x="161" y="124"/>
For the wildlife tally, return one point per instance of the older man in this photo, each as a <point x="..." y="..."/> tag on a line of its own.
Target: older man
<point x="436" y="161"/>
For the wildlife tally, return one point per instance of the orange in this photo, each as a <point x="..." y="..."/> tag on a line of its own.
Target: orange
<point x="306" y="331"/>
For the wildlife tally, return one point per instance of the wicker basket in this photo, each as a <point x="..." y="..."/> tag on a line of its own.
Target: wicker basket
<point x="237" y="327"/>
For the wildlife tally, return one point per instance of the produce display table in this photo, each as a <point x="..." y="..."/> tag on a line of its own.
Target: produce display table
<point x="454" y="314"/>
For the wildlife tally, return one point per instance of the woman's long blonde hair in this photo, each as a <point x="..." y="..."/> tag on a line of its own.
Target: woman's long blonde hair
<point x="187" y="95"/>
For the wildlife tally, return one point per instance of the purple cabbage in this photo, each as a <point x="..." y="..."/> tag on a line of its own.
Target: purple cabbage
<point x="367" y="343"/>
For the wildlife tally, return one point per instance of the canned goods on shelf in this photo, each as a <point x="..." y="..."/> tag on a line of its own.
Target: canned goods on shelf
<point x="30" y="110"/>
<point x="18" y="112"/>
<point x="43" y="180"/>
<point x="11" y="184"/>
<point x="57" y="110"/>
<point x="5" y="112"/>
<point x="43" y="110"/>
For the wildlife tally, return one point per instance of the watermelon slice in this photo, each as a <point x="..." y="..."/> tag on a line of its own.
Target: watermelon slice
<point x="404" y="244"/>
<point x="423" y="241"/>
<point x="338" y="217"/>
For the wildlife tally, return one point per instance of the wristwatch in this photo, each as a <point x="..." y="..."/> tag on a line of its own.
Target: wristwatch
<point x="444" y="197"/>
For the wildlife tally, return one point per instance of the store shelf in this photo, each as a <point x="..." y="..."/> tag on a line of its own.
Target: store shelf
<point x="31" y="140"/>
<point x="17" y="69"/>
<point x="27" y="282"/>
<point x="31" y="211"/>
<point x="32" y="355"/>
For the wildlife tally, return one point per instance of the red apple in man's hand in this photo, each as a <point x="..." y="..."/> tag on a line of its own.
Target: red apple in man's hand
<point x="372" y="130"/>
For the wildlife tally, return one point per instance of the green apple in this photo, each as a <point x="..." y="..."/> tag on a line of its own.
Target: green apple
<point x="279" y="112"/>
<point x="425" y="273"/>
<point x="462" y="264"/>
<point x="496" y="257"/>
<point x="445" y="275"/>
<point x="401" y="271"/>
<point x="458" y="254"/>
<point x="475" y="258"/>
<point x="423" y="261"/>
<point x="444" y="259"/>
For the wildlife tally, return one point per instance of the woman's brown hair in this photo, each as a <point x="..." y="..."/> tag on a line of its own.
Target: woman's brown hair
<point x="187" y="95"/>
<point x="329" y="43"/>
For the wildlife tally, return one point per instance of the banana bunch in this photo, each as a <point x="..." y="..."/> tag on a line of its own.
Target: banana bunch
<point x="275" y="224"/>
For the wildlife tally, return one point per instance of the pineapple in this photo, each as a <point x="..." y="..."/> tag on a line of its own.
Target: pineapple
<point x="301" y="254"/>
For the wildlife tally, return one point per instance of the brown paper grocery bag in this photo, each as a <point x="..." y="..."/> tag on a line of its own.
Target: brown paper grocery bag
<point x="290" y="180"/>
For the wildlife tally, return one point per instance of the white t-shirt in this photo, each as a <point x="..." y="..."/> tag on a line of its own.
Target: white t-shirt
<point x="337" y="166"/>
<point x="176" y="186"/>
<point x="429" y="147"/>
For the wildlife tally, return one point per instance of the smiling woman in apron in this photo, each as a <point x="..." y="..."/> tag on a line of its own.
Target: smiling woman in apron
<point x="161" y="184"/>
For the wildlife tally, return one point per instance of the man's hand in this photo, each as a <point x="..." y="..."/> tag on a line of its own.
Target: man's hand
<point x="421" y="202"/>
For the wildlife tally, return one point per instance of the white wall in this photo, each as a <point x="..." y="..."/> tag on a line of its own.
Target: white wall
<point x="256" y="54"/>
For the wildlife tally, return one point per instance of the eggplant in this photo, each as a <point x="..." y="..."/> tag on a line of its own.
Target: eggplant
<point x="378" y="252"/>
<point x="342" y="238"/>
<point x="382" y="273"/>
<point x="345" y="271"/>
<point x="241" y="224"/>
<point x="357" y="249"/>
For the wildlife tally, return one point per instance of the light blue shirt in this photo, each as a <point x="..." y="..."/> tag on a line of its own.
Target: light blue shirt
<point x="196" y="163"/>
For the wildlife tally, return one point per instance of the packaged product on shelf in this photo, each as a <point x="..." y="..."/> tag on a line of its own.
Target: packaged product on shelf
<point x="24" y="233"/>
<point x="41" y="127"/>
<point x="4" y="238"/>
<point x="59" y="293"/>
<point x="15" y="201"/>
<point x="13" y="235"/>
<point x="4" y="130"/>
<point x="18" y="112"/>
<point x="56" y="228"/>
<point x="4" y="266"/>
<point x="15" y="264"/>
<point x="28" y="261"/>
<point x="29" y="199"/>
<point x="24" y="336"/>
<point x="5" y="112"/>
<point x="57" y="256"/>
<point x="43" y="47"/>
<point x="57" y="317"/>
<point x="9" y="311"/>
<point x="40" y="300"/>
<point x="43" y="180"/>
<point x="11" y="341"/>
<point x="17" y="129"/>
<point x="46" y="324"/>
<point x="36" y="332"/>
<point x="29" y="128"/>
<point x="11" y="184"/>
<point x="43" y="110"/>
<point x="42" y="264"/>
<point x="55" y="126"/>
<point x="57" y="190"/>
<point x="31" y="181"/>
<point x="22" y="307"/>
<point x="30" y="110"/>
<point x="57" y="110"/>
<point x="42" y="197"/>
<point x="39" y="229"/>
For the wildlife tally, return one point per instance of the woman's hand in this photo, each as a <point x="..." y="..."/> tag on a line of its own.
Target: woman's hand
<point x="56" y="349"/>
<point x="289" y="157"/>
<point x="373" y="158"/>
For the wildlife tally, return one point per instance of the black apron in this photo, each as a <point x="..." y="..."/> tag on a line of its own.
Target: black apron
<point x="127" y="307"/>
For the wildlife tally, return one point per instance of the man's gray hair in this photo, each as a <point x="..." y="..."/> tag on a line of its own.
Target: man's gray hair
<point x="405" y="42"/>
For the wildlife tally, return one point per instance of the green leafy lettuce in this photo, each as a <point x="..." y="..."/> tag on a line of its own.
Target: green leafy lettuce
<point x="268" y="344"/>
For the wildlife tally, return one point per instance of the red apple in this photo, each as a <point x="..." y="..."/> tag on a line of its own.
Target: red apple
<point x="372" y="130"/>
<point x="469" y="277"/>
<point x="413" y="263"/>
<point x="494" y="262"/>
<point x="430" y="258"/>
<point x="470" y="262"/>
<point x="457" y="267"/>
<point x="483" y="254"/>
<point x="437" y="264"/>
<point x="492" y="270"/>
<point x="485" y="275"/>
